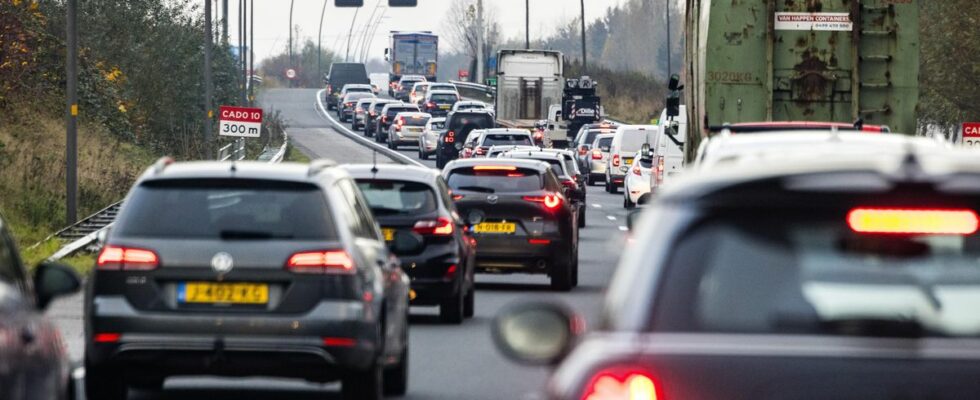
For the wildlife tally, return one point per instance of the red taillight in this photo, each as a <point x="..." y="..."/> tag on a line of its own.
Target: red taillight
<point x="450" y="272"/>
<point x="339" y="342"/>
<point x="321" y="262"/>
<point x="439" y="227"/>
<point x="114" y="258"/>
<point x="551" y="201"/>
<point x="431" y="104"/>
<point x="615" y="160"/>
<point x="450" y="137"/>
<point x="539" y="241"/>
<point x="481" y="151"/>
<point x="596" y="154"/>
<point x="106" y="337"/>
<point x="913" y="221"/>
<point x="348" y="104"/>
<point x="582" y="150"/>
<point x="384" y="119"/>
<point x="538" y="135"/>
<point x="569" y="183"/>
<point x="660" y="170"/>
<point x="629" y="385"/>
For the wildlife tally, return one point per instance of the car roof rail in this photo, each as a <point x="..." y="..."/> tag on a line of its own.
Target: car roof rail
<point x="317" y="166"/>
<point x="162" y="163"/>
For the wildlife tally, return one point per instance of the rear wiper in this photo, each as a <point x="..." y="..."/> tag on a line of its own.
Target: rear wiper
<point x="481" y="189"/>
<point x="251" y="235"/>
<point x="386" y="211"/>
<point x="875" y="327"/>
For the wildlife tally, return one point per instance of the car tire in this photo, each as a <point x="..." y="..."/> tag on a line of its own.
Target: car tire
<point x="608" y="189"/>
<point x="562" y="276"/>
<point x="627" y="203"/>
<point x="469" y="303"/>
<point x="589" y="180"/>
<point x="451" y="311"/>
<point x="104" y="384"/>
<point x="363" y="385"/>
<point x="395" y="379"/>
<point x="423" y="155"/>
<point x="391" y="145"/>
<point x="581" y="216"/>
<point x="440" y="163"/>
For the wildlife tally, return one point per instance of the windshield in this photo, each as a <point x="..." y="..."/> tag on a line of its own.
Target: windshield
<point x="414" y="120"/>
<point x="227" y="209"/>
<point x="605" y="143"/>
<point x="387" y="197"/>
<point x="444" y="98"/>
<point x="809" y="272"/>
<point x="505" y="139"/>
<point x="504" y="180"/>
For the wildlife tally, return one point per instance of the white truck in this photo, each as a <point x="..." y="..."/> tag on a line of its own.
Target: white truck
<point x="529" y="83"/>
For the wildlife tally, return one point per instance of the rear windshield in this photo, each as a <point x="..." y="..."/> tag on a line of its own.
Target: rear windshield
<point x="236" y="209"/>
<point x="359" y="90"/>
<point x="605" y="143"/>
<point x="415" y="121"/>
<point x="352" y="96"/>
<point x="442" y="87"/>
<point x="591" y="134"/>
<point x="409" y="84"/>
<point x="468" y="122"/>
<point x="506" y="139"/>
<point x="632" y="141"/>
<point x="811" y="272"/>
<point x="388" y="197"/>
<point x="444" y="98"/>
<point x="379" y="106"/>
<point x="503" y="180"/>
<point x="395" y="110"/>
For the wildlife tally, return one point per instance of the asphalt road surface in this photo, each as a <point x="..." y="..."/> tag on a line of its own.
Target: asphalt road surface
<point x="446" y="362"/>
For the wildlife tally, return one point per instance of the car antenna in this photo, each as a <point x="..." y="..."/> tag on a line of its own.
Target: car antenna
<point x="374" y="162"/>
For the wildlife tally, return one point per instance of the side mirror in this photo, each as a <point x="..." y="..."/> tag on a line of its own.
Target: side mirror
<point x="51" y="280"/>
<point x="406" y="243"/>
<point x="536" y="333"/>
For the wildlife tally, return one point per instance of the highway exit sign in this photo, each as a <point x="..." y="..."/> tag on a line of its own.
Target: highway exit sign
<point x="239" y="121"/>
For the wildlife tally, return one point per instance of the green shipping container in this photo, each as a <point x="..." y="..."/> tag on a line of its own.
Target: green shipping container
<point x="802" y="60"/>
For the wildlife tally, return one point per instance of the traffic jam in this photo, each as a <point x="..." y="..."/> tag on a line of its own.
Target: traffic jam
<point x="783" y="248"/>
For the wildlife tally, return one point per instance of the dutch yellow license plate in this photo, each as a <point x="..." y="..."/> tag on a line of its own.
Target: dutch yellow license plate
<point x="222" y="293"/>
<point x="389" y="234"/>
<point x="495" y="227"/>
<point x="629" y="161"/>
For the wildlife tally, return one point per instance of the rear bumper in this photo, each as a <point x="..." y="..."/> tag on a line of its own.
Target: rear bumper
<point x="427" y="274"/>
<point x="514" y="254"/>
<point x="333" y="337"/>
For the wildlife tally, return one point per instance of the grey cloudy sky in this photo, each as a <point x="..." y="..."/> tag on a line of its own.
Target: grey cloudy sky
<point x="272" y="20"/>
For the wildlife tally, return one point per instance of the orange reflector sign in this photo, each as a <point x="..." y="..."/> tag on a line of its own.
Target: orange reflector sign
<point x="912" y="221"/>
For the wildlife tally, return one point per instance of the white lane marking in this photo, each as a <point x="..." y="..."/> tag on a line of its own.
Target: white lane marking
<point x="623" y="228"/>
<point x="611" y="218"/>
<point x="597" y="205"/>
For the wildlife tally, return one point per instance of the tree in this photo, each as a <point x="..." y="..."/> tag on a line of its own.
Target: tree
<point x="950" y="73"/>
<point x="461" y="24"/>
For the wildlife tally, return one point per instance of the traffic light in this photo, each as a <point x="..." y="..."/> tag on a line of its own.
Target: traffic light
<point x="348" y="3"/>
<point x="402" y="3"/>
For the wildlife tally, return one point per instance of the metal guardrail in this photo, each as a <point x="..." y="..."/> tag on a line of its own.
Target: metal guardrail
<point x="83" y="234"/>
<point x="232" y="151"/>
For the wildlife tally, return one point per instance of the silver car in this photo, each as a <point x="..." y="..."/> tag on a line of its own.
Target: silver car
<point x="598" y="156"/>
<point x="360" y="112"/>
<point x="429" y="139"/>
<point x="406" y="128"/>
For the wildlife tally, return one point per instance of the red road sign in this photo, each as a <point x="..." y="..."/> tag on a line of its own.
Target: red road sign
<point x="291" y="73"/>
<point x="463" y="74"/>
<point x="239" y="121"/>
<point x="971" y="134"/>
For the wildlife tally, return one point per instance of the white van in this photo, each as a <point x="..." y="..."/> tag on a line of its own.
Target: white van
<point x="626" y="142"/>
<point x="668" y="154"/>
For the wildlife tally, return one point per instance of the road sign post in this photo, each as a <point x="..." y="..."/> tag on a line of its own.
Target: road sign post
<point x="240" y="121"/>
<point x="971" y="135"/>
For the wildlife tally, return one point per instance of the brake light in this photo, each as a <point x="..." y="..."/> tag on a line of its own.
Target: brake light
<point x="115" y="258"/>
<point x="582" y="150"/>
<point x="439" y="227"/>
<point x="539" y="241"/>
<point x="615" y="160"/>
<point x="481" y="151"/>
<point x="384" y="119"/>
<point x="431" y="104"/>
<point x="551" y="201"/>
<point x="348" y="104"/>
<point x="631" y="385"/>
<point x="321" y="262"/>
<point x="570" y="183"/>
<point x="106" y="337"/>
<point x="538" y="135"/>
<point x="495" y="168"/>
<point x="457" y="197"/>
<point x="913" y="221"/>
<point x="339" y="342"/>
<point x="660" y="170"/>
<point x="450" y="272"/>
<point x="596" y="154"/>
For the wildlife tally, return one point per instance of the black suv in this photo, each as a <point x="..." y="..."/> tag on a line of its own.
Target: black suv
<point x="520" y="217"/>
<point x="246" y="269"/>
<point x="459" y="124"/>
<point x="33" y="361"/>
<point x="416" y="200"/>
<point x="342" y="74"/>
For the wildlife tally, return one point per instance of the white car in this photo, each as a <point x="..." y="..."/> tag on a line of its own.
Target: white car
<point x="636" y="185"/>
<point x="500" y="149"/>
<point x="429" y="140"/>
<point x="470" y="105"/>
<point x="406" y="128"/>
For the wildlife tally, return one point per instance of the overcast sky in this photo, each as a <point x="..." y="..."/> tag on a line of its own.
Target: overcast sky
<point x="272" y="20"/>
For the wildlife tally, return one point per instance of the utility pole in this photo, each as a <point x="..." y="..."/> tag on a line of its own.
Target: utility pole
<point x="669" y="65"/>
<point x="251" y="54"/>
<point x="208" y="86"/>
<point x="71" y="119"/>
<point x="359" y="49"/>
<point x="584" y="62"/>
<point x="244" y="52"/>
<point x="291" y="38"/>
<point x="224" y="21"/>
<point x="527" y="24"/>
<point x="241" y="45"/>
<point x="479" y="41"/>
<point x="319" y="39"/>
<point x="351" y="32"/>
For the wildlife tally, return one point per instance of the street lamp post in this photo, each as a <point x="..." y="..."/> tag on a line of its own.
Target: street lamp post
<point x="319" y="40"/>
<point x="584" y="62"/>
<point x="527" y="24"/>
<point x="351" y="32"/>
<point x="71" y="119"/>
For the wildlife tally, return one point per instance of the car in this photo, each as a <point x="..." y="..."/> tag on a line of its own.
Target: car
<point x="417" y="93"/>
<point x="407" y="128"/>
<point x="520" y="217"/>
<point x="34" y="362"/>
<point x="727" y="148"/>
<point x="403" y="88"/>
<point x="636" y="185"/>
<point x="626" y="142"/>
<point x="497" y="150"/>
<point x="481" y="141"/>
<point x="421" y="89"/>
<point x="347" y="90"/>
<point x="584" y="139"/>
<point x="247" y="269"/>
<point x="466" y="105"/>
<point x="439" y="102"/>
<point x="772" y="279"/>
<point x="416" y="200"/>
<point x="430" y="137"/>
<point x="361" y="112"/>
<point x="459" y="124"/>
<point x="387" y="117"/>
<point x="563" y="164"/>
<point x="347" y="105"/>
<point x="340" y="75"/>
<point x="667" y="150"/>
<point x="373" y="111"/>
<point x="599" y="158"/>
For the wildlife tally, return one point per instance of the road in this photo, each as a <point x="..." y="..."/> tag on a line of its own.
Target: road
<point x="446" y="362"/>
